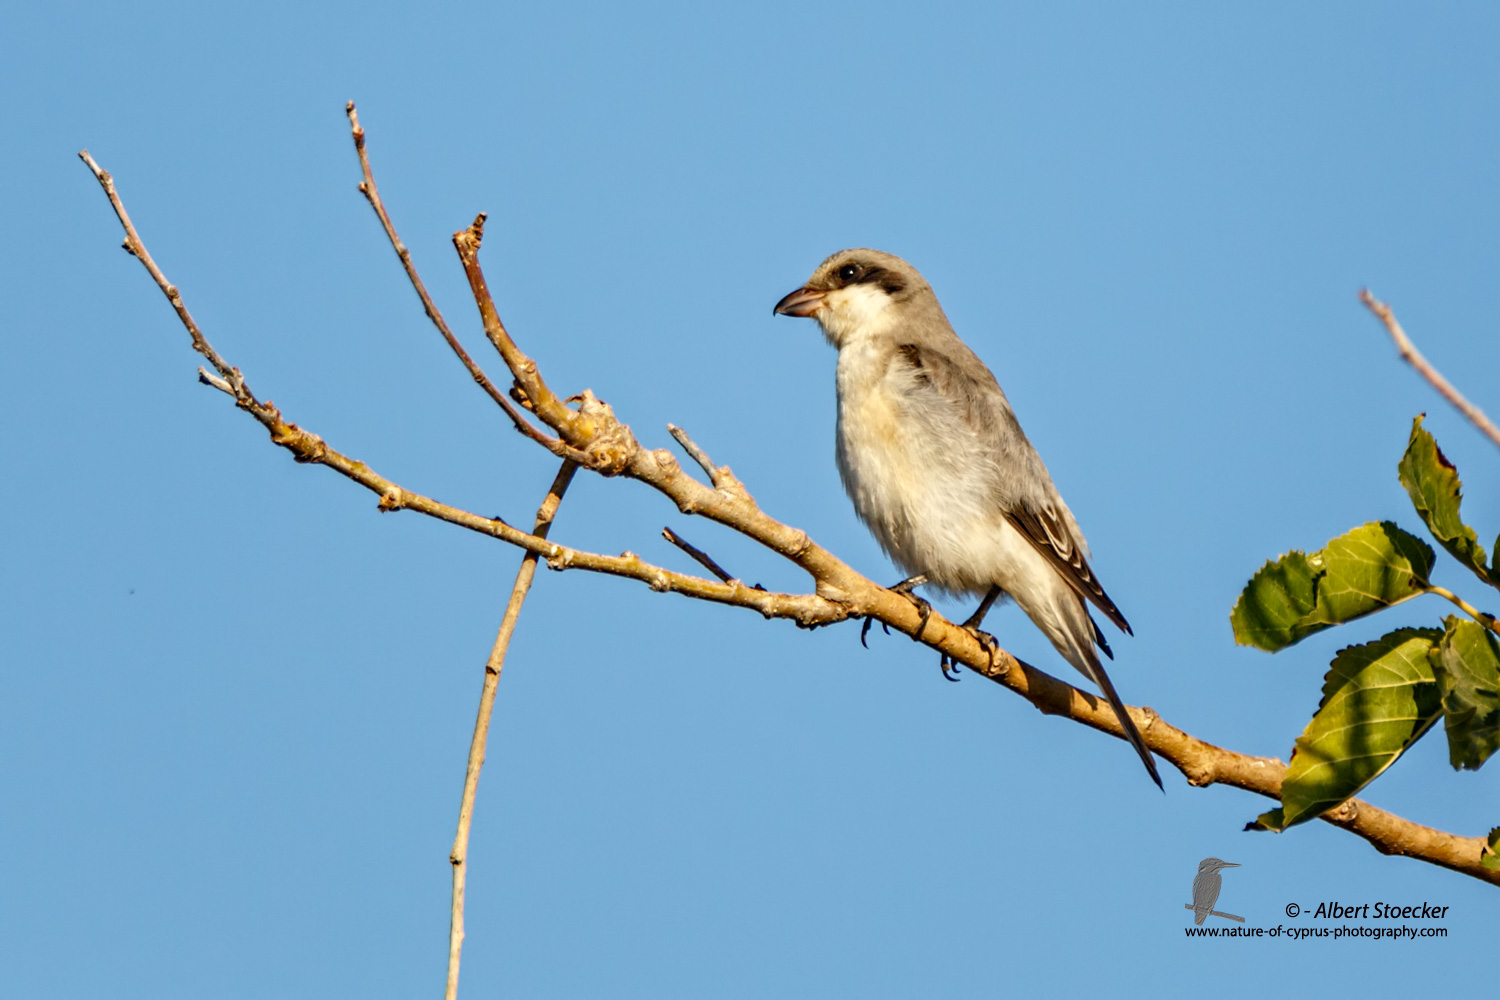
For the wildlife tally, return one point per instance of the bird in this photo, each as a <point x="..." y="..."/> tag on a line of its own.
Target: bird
<point x="938" y="468"/>
<point x="1206" y="886"/>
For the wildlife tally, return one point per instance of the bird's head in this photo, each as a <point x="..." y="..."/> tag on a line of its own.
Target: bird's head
<point x="858" y="294"/>
<point x="1214" y="864"/>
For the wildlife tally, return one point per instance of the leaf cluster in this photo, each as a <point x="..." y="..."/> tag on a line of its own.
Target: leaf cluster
<point x="1380" y="697"/>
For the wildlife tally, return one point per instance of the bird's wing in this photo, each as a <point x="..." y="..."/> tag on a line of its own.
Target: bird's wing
<point x="963" y="381"/>
<point x="1041" y="525"/>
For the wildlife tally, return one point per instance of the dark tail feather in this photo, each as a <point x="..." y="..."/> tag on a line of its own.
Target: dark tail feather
<point x="1131" y="733"/>
<point x="1099" y="639"/>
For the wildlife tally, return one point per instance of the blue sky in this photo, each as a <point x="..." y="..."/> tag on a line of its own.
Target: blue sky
<point x="236" y="699"/>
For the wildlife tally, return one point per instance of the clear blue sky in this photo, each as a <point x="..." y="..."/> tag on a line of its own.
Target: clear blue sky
<point x="236" y="700"/>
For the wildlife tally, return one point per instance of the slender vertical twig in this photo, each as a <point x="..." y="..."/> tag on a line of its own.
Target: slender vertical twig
<point x="1413" y="357"/>
<point x="459" y="856"/>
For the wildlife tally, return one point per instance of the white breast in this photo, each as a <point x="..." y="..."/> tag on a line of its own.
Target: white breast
<point x="920" y="480"/>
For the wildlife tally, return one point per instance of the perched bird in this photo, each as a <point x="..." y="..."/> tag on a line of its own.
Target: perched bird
<point x="1206" y="885"/>
<point x="939" y="469"/>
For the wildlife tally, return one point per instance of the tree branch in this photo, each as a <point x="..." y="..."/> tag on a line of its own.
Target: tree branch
<point x="1413" y="357"/>
<point x="460" y="854"/>
<point x="608" y="447"/>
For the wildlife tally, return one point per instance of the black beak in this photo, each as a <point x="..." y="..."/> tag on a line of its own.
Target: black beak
<point x="802" y="302"/>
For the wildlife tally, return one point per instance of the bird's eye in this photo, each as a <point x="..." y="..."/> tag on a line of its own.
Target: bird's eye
<point x="849" y="272"/>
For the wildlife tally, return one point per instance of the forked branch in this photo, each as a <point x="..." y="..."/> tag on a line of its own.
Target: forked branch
<point x="371" y="192"/>
<point x="607" y="446"/>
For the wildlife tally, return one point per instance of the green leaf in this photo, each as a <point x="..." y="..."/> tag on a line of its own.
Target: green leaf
<point x="1372" y="567"/>
<point x="1432" y="483"/>
<point x="1490" y="856"/>
<point x="1378" y="699"/>
<point x="1272" y="606"/>
<point x="1467" y="666"/>
<point x="1272" y="821"/>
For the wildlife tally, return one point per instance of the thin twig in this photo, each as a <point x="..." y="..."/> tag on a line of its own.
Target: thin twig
<point x="459" y="856"/>
<point x="371" y="192"/>
<point x="1482" y="617"/>
<point x="215" y="381"/>
<point x="703" y="558"/>
<point x="696" y="453"/>
<point x="543" y="401"/>
<point x="1413" y="357"/>
<point x="137" y="249"/>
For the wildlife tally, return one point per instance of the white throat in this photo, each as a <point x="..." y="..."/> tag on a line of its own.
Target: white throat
<point x="855" y="313"/>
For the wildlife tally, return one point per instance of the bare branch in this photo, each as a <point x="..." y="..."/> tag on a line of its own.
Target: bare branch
<point x="542" y="401"/>
<point x="459" y="856"/>
<point x="608" y="447"/>
<point x="372" y="195"/>
<point x="1413" y="357"/>
<point x="137" y="249"/>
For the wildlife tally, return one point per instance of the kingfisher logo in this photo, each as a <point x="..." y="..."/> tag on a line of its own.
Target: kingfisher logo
<point x="1206" y="886"/>
<point x="1388" y="920"/>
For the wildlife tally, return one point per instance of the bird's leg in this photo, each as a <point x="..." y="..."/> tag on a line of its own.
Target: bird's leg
<point x="971" y="626"/>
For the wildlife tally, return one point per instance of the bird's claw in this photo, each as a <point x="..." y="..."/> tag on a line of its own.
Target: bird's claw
<point x="864" y="630"/>
<point x="991" y="647"/>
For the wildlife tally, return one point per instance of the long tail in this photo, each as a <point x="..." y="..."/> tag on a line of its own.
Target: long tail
<point x="1078" y="649"/>
<point x="1131" y="733"/>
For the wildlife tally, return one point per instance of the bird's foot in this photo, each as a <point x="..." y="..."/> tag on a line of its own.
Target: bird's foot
<point x="980" y="636"/>
<point x="905" y="588"/>
<point x="991" y="646"/>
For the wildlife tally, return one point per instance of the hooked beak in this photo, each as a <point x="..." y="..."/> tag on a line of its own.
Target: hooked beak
<point x="802" y="302"/>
